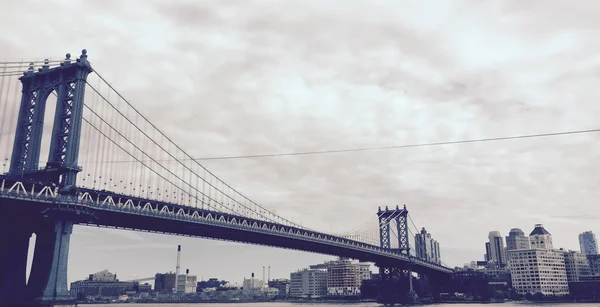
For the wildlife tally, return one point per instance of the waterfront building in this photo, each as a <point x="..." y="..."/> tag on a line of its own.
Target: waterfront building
<point x="103" y="275"/>
<point x="145" y="288"/>
<point x="576" y="265"/>
<point x="516" y="239"/>
<point x="344" y="277"/>
<point x="310" y="283"/>
<point x="426" y="247"/>
<point x="538" y="269"/>
<point x="594" y="262"/>
<point x="252" y="285"/>
<point x="282" y="285"/>
<point x="320" y="266"/>
<point x="164" y="282"/>
<point x="469" y="281"/>
<point x="587" y="243"/>
<point x="180" y="284"/>
<point x="102" y="284"/>
<point x="191" y="283"/>
<point x="495" y="249"/>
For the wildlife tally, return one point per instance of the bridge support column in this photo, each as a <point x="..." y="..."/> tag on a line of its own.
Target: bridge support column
<point x="396" y="286"/>
<point x="48" y="279"/>
<point x="14" y="245"/>
<point x="437" y="283"/>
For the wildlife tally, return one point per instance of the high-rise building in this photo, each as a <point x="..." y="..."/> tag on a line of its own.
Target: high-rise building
<point x="344" y="277"/>
<point x="538" y="269"/>
<point x="576" y="265"/>
<point x="594" y="262"/>
<point x="426" y="247"/>
<point x="516" y="239"/>
<point x="308" y="283"/>
<point x="540" y="238"/>
<point x="496" y="250"/>
<point x="588" y="243"/>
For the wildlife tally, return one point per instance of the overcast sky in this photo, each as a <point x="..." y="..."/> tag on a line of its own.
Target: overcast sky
<point x="256" y="77"/>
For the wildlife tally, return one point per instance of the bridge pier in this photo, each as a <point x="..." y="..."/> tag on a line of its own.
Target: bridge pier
<point x="396" y="286"/>
<point x="14" y="242"/>
<point x="437" y="283"/>
<point x="48" y="278"/>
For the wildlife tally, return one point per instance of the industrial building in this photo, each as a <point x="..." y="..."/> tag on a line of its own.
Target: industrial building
<point x="164" y="282"/>
<point x="252" y="286"/>
<point x="102" y="285"/>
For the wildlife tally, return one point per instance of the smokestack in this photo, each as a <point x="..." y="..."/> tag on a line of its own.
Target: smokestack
<point x="178" y="261"/>
<point x="269" y="274"/>
<point x="263" y="274"/>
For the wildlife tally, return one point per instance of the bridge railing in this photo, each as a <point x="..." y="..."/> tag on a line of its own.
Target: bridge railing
<point x="32" y="191"/>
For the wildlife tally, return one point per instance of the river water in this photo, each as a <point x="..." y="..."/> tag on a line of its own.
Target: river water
<point x="330" y="305"/>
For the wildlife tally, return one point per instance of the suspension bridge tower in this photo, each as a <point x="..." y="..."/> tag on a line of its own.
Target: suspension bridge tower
<point x="393" y="277"/>
<point x="47" y="284"/>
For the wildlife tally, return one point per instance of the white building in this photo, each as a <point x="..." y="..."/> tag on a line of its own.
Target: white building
<point x="103" y="275"/>
<point x="308" y="283"/>
<point x="344" y="277"/>
<point x="540" y="238"/>
<point x="191" y="284"/>
<point x="538" y="269"/>
<point x="252" y="286"/>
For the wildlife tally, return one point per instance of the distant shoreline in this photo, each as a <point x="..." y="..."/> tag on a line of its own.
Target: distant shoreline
<point x="298" y="301"/>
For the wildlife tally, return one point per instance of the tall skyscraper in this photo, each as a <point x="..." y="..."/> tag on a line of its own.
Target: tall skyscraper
<point x="426" y="247"/>
<point x="516" y="239"/>
<point x="497" y="253"/>
<point x="588" y="243"/>
<point x="540" y="238"/>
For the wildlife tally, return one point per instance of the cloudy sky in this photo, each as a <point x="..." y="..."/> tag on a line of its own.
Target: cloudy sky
<point x="258" y="77"/>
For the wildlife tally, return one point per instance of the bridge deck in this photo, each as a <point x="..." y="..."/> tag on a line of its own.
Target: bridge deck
<point x="121" y="211"/>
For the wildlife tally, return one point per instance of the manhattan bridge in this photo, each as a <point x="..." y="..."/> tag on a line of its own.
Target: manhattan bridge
<point x="162" y="189"/>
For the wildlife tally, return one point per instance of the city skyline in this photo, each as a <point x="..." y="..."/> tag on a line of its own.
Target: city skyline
<point x="264" y="79"/>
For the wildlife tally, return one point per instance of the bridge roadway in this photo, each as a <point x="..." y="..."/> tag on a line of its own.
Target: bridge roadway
<point x="107" y="209"/>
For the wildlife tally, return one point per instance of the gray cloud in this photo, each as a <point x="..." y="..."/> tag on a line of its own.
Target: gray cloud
<point x="236" y="78"/>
